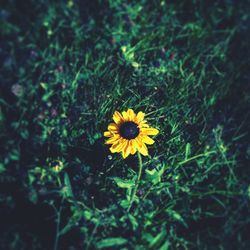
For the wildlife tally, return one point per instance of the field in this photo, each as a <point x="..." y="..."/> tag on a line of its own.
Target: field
<point x="67" y="66"/>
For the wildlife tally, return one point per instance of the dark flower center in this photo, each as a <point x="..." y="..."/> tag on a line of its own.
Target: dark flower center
<point x="129" y="130"/>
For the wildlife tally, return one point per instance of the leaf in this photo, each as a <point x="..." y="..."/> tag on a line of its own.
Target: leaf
<point x="133" y="221"/>
<point x="14" y="155"/>
<point x="66" y="229"/>
<point x="97" y="136"/>
<point x="166" y="245"/>
<point x="125" y="204"/>
<point x="94" y="138"/>
<point x="44" y="85"/>
<point x="158" y="239"/>
<point x="87" y="214"/>
<point x="155" y="175"/>
<point x="176" y="216"/>
<point x="188" y="151"/>
<point x="111" y="242"/>
<point x="2" y="168"/>
<point x="124" y="183"/>
<point x="67" y="190"/>
<point x="33" y="197"/>
<point x="46" y="97"/>
<point x="25" y="134"/>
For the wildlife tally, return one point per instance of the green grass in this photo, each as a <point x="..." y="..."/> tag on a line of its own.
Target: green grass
<point x="67" y="66"/>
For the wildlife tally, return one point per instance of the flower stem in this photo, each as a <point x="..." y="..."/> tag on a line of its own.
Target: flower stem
<point x="58" y="221"/>
<point x="137" y="182"/>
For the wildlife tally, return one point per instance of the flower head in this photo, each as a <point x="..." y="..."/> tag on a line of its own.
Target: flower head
<point x="129" y="133"/>
<point x="57" y="167"/>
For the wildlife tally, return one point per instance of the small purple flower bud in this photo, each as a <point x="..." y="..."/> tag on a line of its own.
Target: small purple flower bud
<point x="89" y="180"/>
<point x="141" y="192"/>
<point x="33" y="54"/>
<point x="54" y="112"/>
<point x="17" y="90"/>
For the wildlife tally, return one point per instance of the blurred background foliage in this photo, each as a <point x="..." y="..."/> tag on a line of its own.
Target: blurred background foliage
<point x="67" y="66"/>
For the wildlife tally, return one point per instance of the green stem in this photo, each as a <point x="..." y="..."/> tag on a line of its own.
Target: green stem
<point x="57" y="229"/>
<point x="58" y="219"/>
<point x="137" y="182"/>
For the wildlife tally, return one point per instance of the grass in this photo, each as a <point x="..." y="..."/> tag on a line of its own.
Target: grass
<point x="67" y="66"/>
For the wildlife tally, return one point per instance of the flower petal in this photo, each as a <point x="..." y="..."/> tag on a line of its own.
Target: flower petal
<point x="133" y="146"/>
<point x="146" y="139"/>
<point x="125" y="115"/>
<point x="117" y="117"/>
<point x="126" y="150"/>
<point x="113" y="127"/>
<point x="140" y="116"/>
<point x="141" y="147"/>
<point x="118" y="146"/>
<point x="113" y="139"/>
<point x="149" y="131"/>
<point x="131" y="114"/>
<point x="108" y="134"/>
<point x="143" y="124"/>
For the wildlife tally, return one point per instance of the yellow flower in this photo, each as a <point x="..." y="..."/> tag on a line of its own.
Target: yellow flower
<point x="129" y="133"/>
<point x="58" y="166"/>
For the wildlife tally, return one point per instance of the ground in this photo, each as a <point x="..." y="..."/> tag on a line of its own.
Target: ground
<point x="67" y="66"/>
